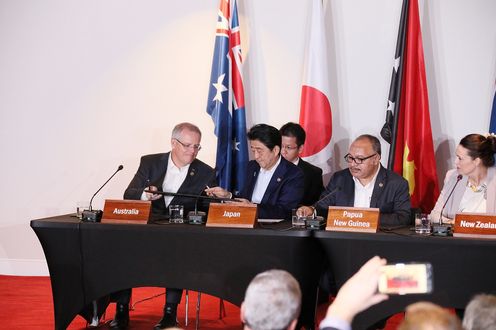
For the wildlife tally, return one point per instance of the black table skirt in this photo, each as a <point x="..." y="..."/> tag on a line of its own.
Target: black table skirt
<point x="90" y="260"/>
<point x="461" y="267"/>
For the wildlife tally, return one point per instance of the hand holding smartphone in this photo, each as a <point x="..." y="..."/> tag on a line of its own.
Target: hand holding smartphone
<point x="405" y="278"/>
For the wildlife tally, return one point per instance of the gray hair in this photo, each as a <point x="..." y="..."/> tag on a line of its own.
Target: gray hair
<point x="179" y="128"/>
<point x="272" y="301"/>
<point x="480" y="313"/>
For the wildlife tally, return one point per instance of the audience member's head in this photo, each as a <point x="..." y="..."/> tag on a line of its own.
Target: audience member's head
<point x="480" y="313"/>
<point x="428" y="316"/>
<point x="272" y="302"/>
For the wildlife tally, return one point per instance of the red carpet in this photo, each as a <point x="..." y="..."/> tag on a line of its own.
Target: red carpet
<point x="26" y="303"/>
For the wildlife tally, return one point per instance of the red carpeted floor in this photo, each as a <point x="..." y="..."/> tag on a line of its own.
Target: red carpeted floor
<point x="26" y="303"/>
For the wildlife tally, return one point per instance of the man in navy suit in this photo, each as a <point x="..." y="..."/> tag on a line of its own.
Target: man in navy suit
<point x="366" y="184"/>
<point x="293" y="139"/>
<point x="177" y="171"/>
<point x="272" y="183"/>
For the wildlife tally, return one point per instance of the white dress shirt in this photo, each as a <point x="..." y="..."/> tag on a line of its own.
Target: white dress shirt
<point x="174" y="178"/>
<point x="263" y="180"/>
<point x="363" y="194"/>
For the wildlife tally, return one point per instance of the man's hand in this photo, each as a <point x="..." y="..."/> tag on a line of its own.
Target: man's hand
<point x="305" y="211"/>
<point x="151" y="196"/>
<point x="359" y="292"/>
<point x="218" y="192"/>
<point x="240" y="201"/>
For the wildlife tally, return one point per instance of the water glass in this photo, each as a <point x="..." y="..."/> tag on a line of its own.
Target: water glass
<point x="80" y="207"/>
<point x="176" y="213"/>
<point x="296" y="220"/>
<point x="422" y="224"/>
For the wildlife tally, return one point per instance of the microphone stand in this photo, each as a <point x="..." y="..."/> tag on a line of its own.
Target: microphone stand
<point x="445" y="229"/>
<point x="96" y="215"/>
<point x="195" y="217"/>
<point x="318" y="222"/>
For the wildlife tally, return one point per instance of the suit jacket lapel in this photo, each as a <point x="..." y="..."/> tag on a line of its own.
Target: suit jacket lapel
<point x="491" y="190"/>
<point x="251" y="179"/>
<point x="380" y="184"/>
<point x="349" y="190"/>
<point x="189" y="181"/>
<point x="275" y="181"/>
<point x="160" y="203"/>
<point x="163" y="170"/>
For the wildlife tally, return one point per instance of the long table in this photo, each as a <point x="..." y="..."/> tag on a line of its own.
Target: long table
<point x="461" y="267"/>
<point x="89" y="260"/>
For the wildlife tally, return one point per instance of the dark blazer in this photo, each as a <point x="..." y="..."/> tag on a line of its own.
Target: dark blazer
<point x="151" y="172"/>
<point x="313" y="182"/>
<point x="283" y="193"/>
<point x="390" y="195"/>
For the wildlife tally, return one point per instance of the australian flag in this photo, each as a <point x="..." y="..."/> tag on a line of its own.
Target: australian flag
<point x="226" y="100"/>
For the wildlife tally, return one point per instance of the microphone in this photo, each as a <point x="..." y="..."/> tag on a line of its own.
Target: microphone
<point x="318" y="222"/>
<point x="441" y="229"/>
<point x="458" y="178"/>
<point x="195" y="217"/>
<point x="335" y="190"/>
<point x="96" y="215"/>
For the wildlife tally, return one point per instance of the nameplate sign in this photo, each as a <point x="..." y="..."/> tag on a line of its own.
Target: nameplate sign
<point x="478" y="225"/>
<point x="352" y="219"/>
<point x="229" y="215"/>
<point x="126" y="211"/>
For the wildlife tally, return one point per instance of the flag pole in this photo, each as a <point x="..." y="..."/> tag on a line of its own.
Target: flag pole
<point x="396" y="88"/>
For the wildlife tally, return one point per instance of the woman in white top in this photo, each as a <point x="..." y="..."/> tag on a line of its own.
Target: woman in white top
<point x="472" y="184"/>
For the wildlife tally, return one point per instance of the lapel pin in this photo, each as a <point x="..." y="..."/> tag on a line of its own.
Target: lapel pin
<point x="278" y="179"/>
<point x="381" y="184"/>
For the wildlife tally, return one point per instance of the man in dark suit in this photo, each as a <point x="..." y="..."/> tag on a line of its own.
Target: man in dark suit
<point x="293" y="138"/>
<point x="367" y="184"/>
<point x="273" y="183"/>
<point x="177" y="171"/>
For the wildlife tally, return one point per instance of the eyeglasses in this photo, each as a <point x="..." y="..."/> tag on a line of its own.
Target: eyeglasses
<point x="350" y="159"/>
<point x="289" y="148"/>
<point x="195" y="147"/>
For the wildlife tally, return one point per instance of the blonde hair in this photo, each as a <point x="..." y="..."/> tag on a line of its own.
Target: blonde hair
<point x="429" y="316"/>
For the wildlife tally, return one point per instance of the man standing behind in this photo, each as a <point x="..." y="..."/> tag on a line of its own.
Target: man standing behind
<point x="273" y="183"/>
<point x="366" y="184"/>
<point x="177" y="171"/>
<point x="293" y="138"/>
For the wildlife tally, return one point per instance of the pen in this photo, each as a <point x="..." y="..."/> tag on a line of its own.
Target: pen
<point x="213" y="195"/>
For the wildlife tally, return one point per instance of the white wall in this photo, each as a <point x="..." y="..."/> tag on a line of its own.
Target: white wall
<point x="88" y="85"/>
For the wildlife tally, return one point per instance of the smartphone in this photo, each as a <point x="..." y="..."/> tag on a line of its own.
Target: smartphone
<point x="405" y="278"/>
